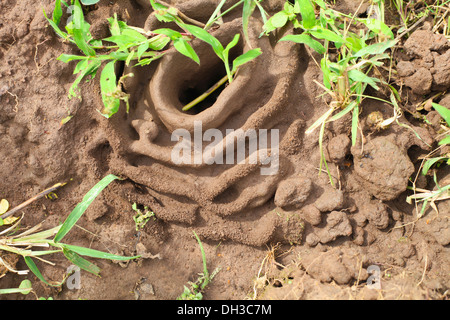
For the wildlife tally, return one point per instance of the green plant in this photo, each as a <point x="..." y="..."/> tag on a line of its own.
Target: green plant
<point x="442" y="193"/>
<point x="141" y="218"/>
<point x="194" y="292"/>
<point x="346" y="77"/>
<point x="25" y="288"/>
<point x="128" y="44"/>
<point x="165" y="14"/>
<point x="26" y="243"/>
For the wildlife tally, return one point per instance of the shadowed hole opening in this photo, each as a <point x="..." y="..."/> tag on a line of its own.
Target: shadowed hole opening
<point x="204" y="80"/>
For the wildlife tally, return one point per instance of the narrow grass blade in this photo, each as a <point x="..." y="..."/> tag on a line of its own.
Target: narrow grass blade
<point x="82" y="206"/>
<point x="81" y="262"/>
<point x="33" y="268"/>
<point x="95" y="253"/>
<point x="247" y="11"/>
<point x="205" y="267"/>
<point x="355" y="119"/>
<point x="55" y="27"/>
<point x="38" y="236"/>
<point x="443" y="111"/>
<point x="376" y="48"/>
<point x="343" y="112"/>
<point x="323" y="118"/>
<point x="429" y="163"/>
<point x="214" y="15"/>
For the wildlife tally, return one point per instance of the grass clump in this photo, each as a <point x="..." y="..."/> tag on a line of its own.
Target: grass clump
<point x="347" y="76"/>
<point x="429" y="197"/>
<point x="26" y="244"/>
<point x="195" y="289"/>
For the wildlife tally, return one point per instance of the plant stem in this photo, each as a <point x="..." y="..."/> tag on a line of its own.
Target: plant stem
<point x="38" y="196"/>
<point x="210" y="23"/>
<point x="207" y="93"/>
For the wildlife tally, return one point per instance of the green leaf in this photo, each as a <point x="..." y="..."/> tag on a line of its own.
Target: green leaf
<point x="114" y="27"/>
<point x="80" y="30"/>
<point x="247" y="11"/>
<point x="203" y="35"/>
<point x="322" y="33"/>
<point x="157" y="6"/>
<point x="141" y="49"/>
<point x="446" y="140"/>
<point x="321" y="3"/>
<point x="376" y="48"/>
<point x="230" y="46"/>
<point x="429" y="163"/>
<point x="268" y="27"/>
<point x="307" y="40"/>
<point x="89" y="2"/>
<point x="108" y="85"/>
<point x="57" y="12"/>
<point x="90" y="69"/>
<point x="443" y="111"/>
<point x="92" y="253"/>
<point x="33" y="268"/>
<point x="81" y="65"/>
<point x="355" y="119"/>
<point x="130" y="57"/>
<point x="70" y="57"/>
<point x="172" y="34"/>
<point x="82" y="206"/>
<point x="81" y="262"/>
<point x="343" y="112"/>
<point x="186" y="49"/>
<point x="246" y="57"/>
<point x="307" y="13"/>
<point x="326" y="73"/>
<point x="377" y="26"/>
<point x="26" y="286"/>
<point x="158" y="42"/>
<point x="279" y="19"/>
<point x="134" y="35"/>
<point x="55" y="27"/>
<point x="359" y="76"/>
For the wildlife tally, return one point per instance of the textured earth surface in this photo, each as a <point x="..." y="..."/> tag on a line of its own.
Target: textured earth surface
<point x="290" y="235"/>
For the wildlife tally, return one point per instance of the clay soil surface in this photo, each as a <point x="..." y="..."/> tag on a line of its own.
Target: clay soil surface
<point x="284" y="236"/>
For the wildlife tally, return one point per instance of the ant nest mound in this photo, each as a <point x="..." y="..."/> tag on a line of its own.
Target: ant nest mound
<point x="238" y="166"/>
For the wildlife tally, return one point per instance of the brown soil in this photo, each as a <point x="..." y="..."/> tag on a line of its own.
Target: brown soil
<point x="284" y="236"/>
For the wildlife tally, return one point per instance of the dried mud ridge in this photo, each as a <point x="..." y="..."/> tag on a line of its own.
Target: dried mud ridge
<point x="235" y="203"/>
